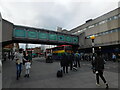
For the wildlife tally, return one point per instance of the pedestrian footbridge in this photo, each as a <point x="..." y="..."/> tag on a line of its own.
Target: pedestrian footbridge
<point x="34" y="35"/>
<point x="22" y="34"/>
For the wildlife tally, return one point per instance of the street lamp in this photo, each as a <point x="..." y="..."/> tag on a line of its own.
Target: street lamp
<point x="92" y="38"/>
<point x="93" y="51"/>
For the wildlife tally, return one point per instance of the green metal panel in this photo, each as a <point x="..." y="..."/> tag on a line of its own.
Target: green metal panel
<point x="68" y="39"/>
<point x="42" y="35"/>
<point x="75" y="39"/>
<point x="19" y="33"/>
<point x="52" y="36"/>
<point x="32" y="34"/>
<point x="61" y="38"/>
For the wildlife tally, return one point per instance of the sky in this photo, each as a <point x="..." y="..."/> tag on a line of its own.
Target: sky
<point x="50" y="14"/>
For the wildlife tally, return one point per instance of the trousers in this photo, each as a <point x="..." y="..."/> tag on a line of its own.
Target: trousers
<point x="100" y="74"/>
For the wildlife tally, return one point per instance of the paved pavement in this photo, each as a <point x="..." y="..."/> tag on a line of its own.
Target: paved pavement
<point x="43" y="75"/>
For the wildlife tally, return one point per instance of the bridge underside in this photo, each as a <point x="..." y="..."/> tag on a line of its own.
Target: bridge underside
<point x="35" y="42"/>
<point x="47" y="42"/>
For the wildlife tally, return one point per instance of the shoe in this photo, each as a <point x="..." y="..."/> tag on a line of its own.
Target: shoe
<point x="28" y="75"/>
<point x="97" y="84"/>
<point x="107" y="86"/>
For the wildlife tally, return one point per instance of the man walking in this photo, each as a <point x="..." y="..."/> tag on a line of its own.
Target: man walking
<point x="99" y="68"/>
<point x="71" y="59"/>
<point x="77" y="59"/>
<point x="65" y="63"/>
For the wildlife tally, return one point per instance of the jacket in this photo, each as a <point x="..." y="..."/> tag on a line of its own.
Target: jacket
<point x="99" y="63"/>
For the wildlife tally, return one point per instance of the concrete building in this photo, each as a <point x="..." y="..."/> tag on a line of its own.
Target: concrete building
<point x="105" y="28"/>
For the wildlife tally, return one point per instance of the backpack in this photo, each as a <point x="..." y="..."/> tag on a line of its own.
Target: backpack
<point x="59" y="73"/>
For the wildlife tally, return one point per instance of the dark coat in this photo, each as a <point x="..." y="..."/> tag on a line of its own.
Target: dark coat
<point x="64" y="60"/>
<point x="99" y="63"/>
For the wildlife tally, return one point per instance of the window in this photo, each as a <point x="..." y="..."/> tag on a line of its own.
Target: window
<point x="111" y="31"/>
<point x="95" y="24"/>
<point x="91" y="26"/>
<point x="102" y="22"/>
<point x="112" y="18"/>
<point x="88" y="37"/>
<point x="83" y="29"/>
<point x="115" y="17"/>
<point x="119" y="29"/>
<point x="106" y="20"/>
<point x="74" y="33"/>
<point x="119" y="15"/>
<point x="99" y="34"/>
<point x="95" y="35"/>
<point x="109" y="19"/>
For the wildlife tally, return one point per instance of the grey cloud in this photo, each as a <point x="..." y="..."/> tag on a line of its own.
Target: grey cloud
<point x="49" y="15"/>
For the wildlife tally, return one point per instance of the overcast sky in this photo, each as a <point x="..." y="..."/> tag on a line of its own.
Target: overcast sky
<point x="49" y="14"/>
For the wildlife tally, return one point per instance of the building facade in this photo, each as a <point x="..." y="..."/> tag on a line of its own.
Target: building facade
<point x="105" y="28"/>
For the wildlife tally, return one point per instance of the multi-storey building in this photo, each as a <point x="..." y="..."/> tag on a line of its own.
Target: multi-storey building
<point x="106" y="30"/>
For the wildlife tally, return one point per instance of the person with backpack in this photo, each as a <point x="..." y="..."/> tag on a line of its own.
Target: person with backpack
<point x="99" y="68"/>
<point x="71" y="59"/>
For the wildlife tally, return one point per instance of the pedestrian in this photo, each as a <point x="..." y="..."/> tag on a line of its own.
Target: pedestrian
<point x="77" y="59"/>
<point x="30" y="56"/>
<point x="27" y="68"/>
<point x="64" y="62"/>
<point x="19" y="61"/>
<point x="0" y="66"/>
<point x="113" y="57"/>
<point x="118" y="57"/>
<point x="99" y="68"/>
<point x="71" y="59"/>
<point x="12" y="56"/>
<point x="5" y="56"/>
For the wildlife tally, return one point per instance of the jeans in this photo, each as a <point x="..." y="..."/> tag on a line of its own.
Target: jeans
<point x="19" y="69"/>
<point x="65" y="67"/>
<point x="28" y="71"/>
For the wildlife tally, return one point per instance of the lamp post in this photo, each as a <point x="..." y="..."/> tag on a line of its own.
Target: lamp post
<point x="92" y="38"/>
